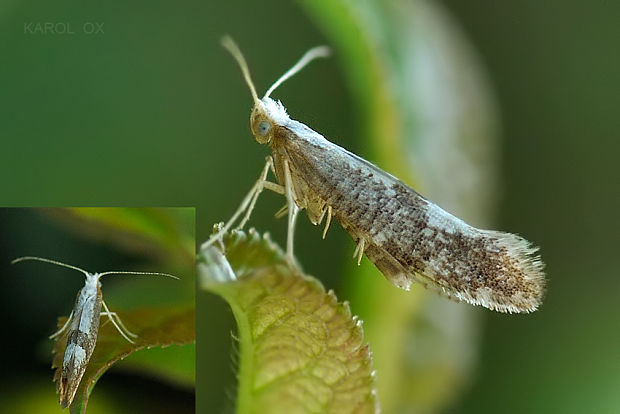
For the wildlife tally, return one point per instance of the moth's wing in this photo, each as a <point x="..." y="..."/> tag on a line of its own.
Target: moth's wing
<point x="520" y="289"/>
<point x="391" y="269"/>
<point x="408" y="237"/>
<point x="399" y="276"/>
<point x="80" y="346"/>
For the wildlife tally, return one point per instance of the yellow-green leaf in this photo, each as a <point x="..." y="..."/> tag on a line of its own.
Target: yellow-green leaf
<point x="300" y="350"/>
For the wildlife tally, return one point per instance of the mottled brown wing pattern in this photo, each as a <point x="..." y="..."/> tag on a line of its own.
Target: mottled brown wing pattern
<point x="409" y="238"/>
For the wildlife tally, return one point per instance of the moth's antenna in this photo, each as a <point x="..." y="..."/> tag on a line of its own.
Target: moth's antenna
<point x="232" y="47"/>
<point x="309" y="56"/>
<point x="41" y="259"/>
<point x="137" y="273"/>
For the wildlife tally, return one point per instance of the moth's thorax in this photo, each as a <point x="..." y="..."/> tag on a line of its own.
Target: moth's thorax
<point x="92" y="282"/>
<point x="266" y="116"/>
<point x="88" y="304"/>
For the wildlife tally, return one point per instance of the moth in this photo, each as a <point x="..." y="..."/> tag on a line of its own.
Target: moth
<point x="407" y="237"/>
<point x="83" y="327"/>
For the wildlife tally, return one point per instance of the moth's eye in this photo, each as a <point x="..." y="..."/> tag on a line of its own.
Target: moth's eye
<point x="263" y="128"/>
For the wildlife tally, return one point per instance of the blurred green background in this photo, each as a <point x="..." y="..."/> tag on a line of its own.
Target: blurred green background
<point x="154" y="112"/>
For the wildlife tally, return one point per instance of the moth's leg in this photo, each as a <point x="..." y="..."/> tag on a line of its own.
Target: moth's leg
<point x="63" y="328"/>
<point x="248" y="203"/>
<point x="122" y="325"/>
<point x="292" y="212"/>
<point x="282" y="212"/>
<point x="359" y="250"/>
<point x="261" y="184"/>
<point x="124" y="331"/>
<point x="328" y="221"/>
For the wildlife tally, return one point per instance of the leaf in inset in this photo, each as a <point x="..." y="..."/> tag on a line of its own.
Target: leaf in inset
<point x="161" y="327"/>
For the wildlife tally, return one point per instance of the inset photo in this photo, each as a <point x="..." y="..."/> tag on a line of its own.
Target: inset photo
<point x="98" y="306"/>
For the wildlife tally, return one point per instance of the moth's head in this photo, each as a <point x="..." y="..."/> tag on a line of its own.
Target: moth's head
<point x="92" y="280"/>
<point x="261" y="124"/>
<point x="267" y="113"/>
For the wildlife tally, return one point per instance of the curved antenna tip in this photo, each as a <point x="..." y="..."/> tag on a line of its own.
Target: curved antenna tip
<point x="54" y="262"/>
<point x="229" y="44"/>
<point x="120" y="272"/>
<point x="309" y="56"/>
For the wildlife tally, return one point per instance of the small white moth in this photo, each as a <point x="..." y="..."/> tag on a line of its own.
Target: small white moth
<point x="83" y="324"/>
<point x="407" y="237"/>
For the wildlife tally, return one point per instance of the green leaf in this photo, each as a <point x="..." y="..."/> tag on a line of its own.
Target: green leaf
<point x="300" y="350"/>
<point x="155" y="327"/>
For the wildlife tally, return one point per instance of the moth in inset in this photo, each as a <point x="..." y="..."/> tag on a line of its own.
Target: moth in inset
<point x="407" y="237"/>
<point x="83" y="324"/>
